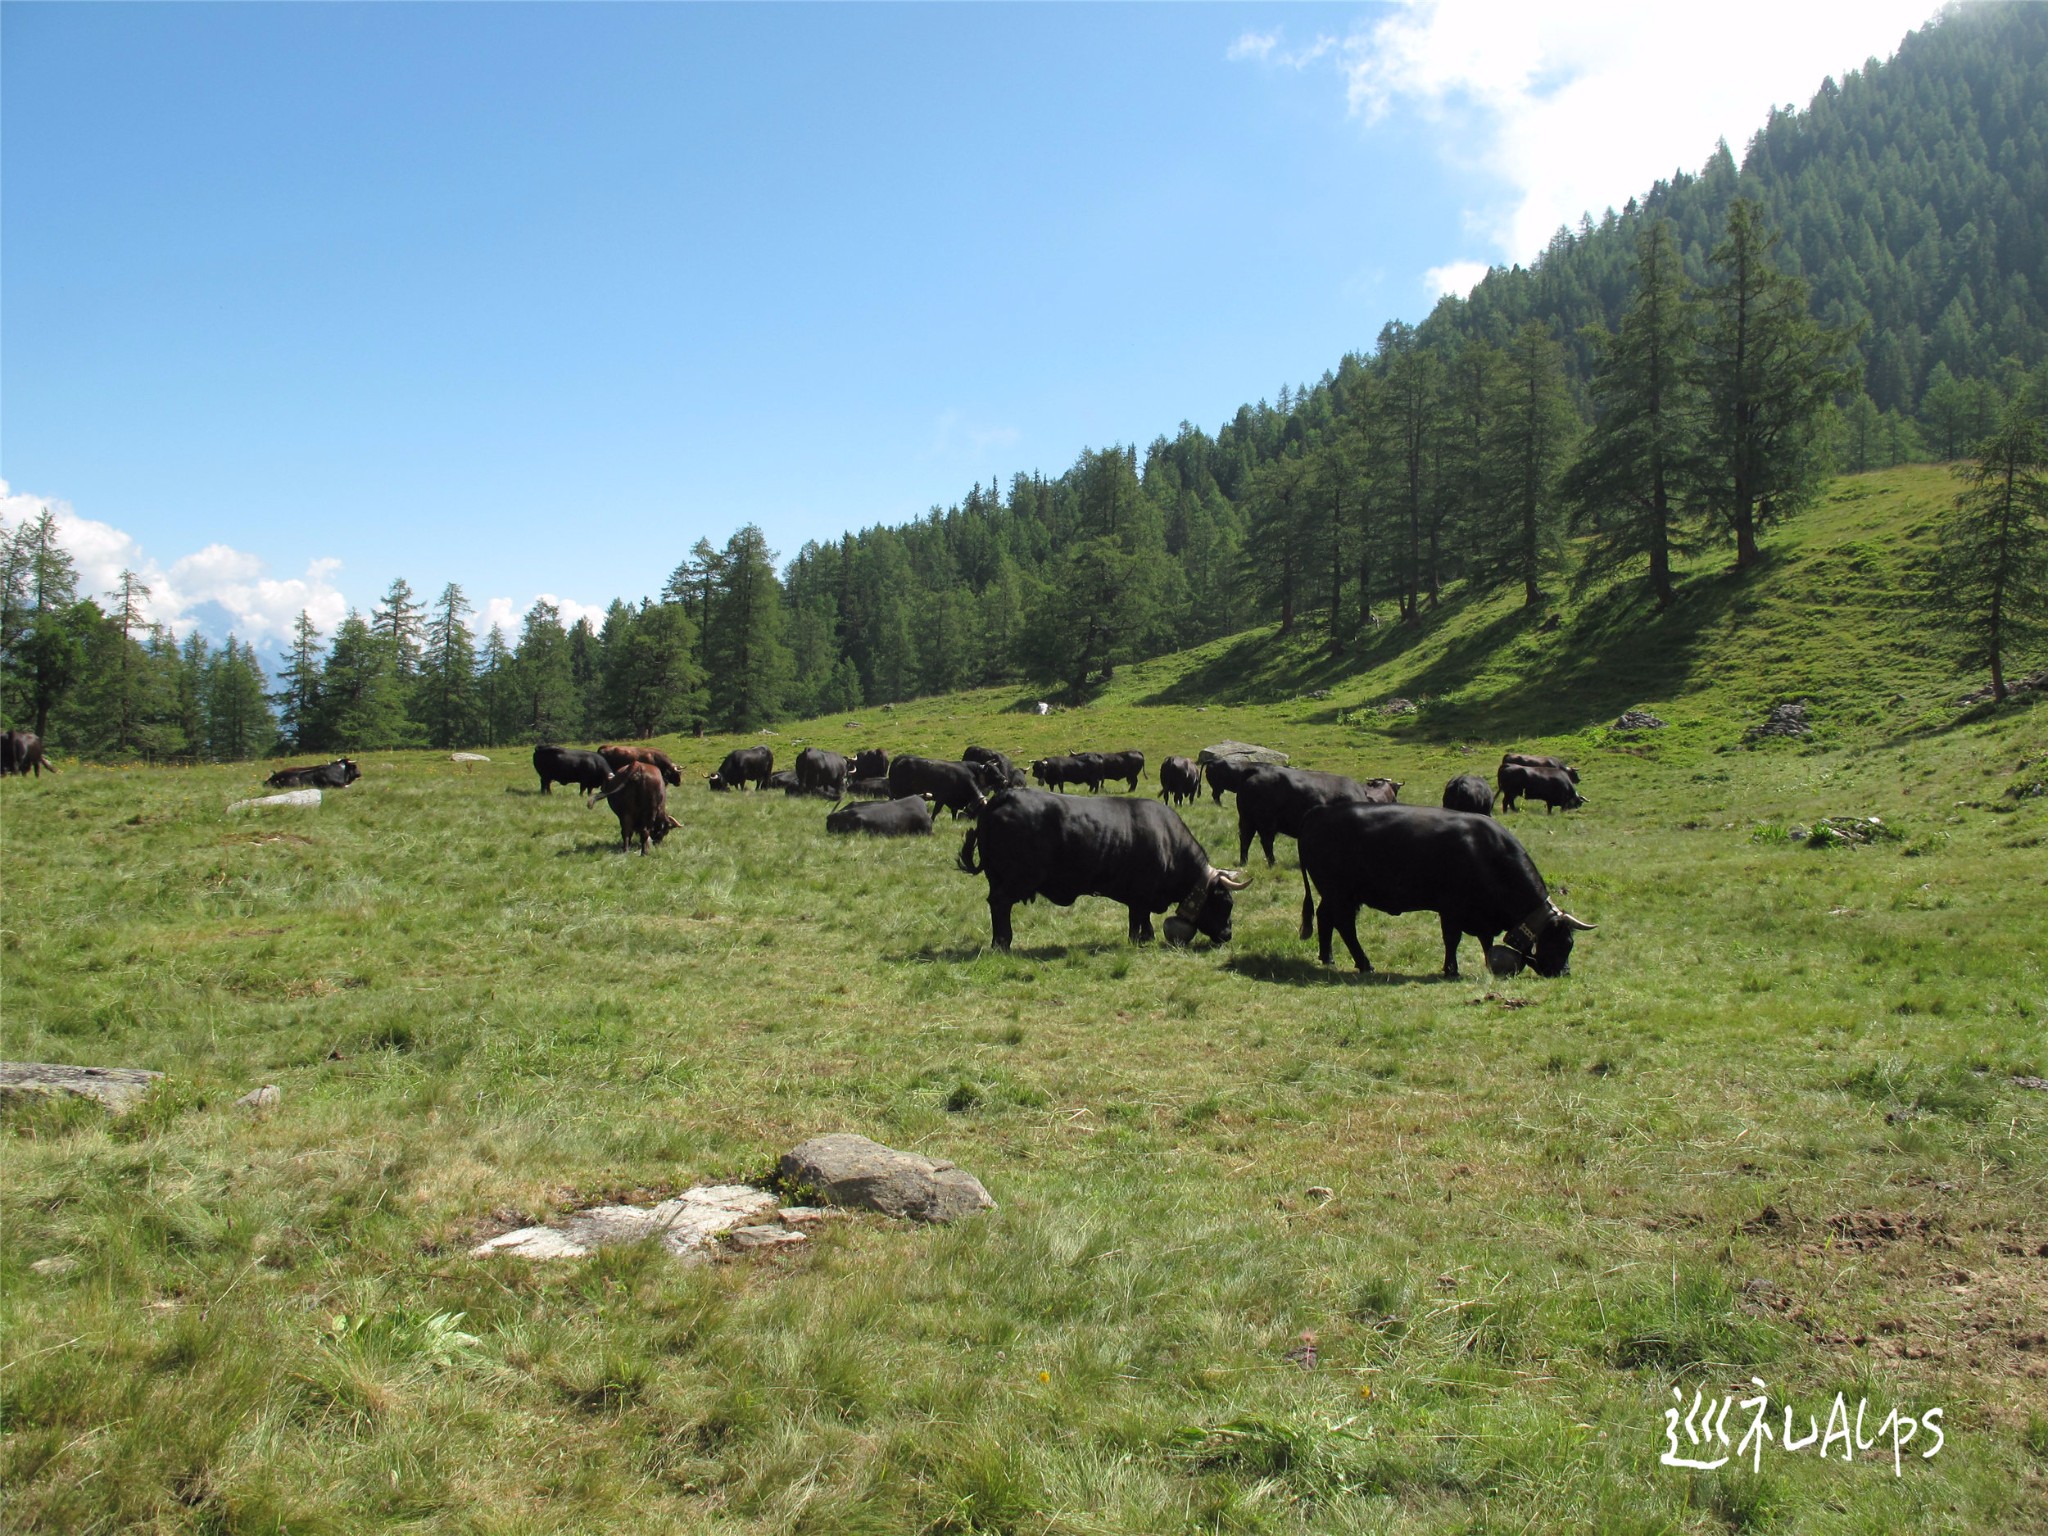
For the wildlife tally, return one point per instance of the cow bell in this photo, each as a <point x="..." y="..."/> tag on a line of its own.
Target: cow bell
<point x="1179" y="932"/>
<point x="1503" y="961"/>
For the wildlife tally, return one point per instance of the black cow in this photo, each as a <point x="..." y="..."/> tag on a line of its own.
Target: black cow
<point x="639" y="797"/>
<point x="1228" y="773"/>
<point x="1527" y="760"/>
<point x="992" y="769"/>
<point x="1468" y="792"/>
<point x="1180" y="780"/>
<point x="908" y="817"/>
<point x="784" y="780"/>
<point x="869" y="763"/>
<point x="1137" y="852"/>
<point x="1272" y="801"/>
<point x="821" y="772"/>
<point x="22" y="752"/>
<point x="868" y="787"/>
<point x="570" y="765"/>
<point x="338" y="774"/>
<point x="953" y="785"/>
<point x="1550" y="785"/>
<point x="744" y="765"/>
<point x="616" y="758"/>
<point x="1058" y="771"/>
<point x="1467" y="869"/>
<point x="1121" y="765"/>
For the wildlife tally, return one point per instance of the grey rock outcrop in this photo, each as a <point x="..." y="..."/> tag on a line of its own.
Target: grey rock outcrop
<point x="1241" y="752"/>
<point x="259" y="1099"/>
<point x="852" y="1170"/>
<point x="116" y="1087"/>
<point x="1638" y="720"/>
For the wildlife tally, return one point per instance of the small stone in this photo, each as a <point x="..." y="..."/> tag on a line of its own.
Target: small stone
<point x="56" y="1264"/>
<point x="773" y="1235"/>
<point x="262" y="1098"/>
<point x="1321" y="1192"/>
<point x="803" y="1215"/>
<point x="852" y="1170"/>
<point x="1638" y="720"/>
<point x="116" y="1087"/>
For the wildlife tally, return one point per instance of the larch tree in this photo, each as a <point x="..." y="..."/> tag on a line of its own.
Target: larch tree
<point x="1633" y="479"/>
<point x="1991" y="575"/>
<point x="1768" y="371"/>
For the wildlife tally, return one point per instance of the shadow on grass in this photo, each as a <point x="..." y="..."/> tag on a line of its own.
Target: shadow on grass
<point x="1975" y="714"/>
<point x="958" y="954"/>
<point x="1307" y="971"/>
<point x="584" y="850"/>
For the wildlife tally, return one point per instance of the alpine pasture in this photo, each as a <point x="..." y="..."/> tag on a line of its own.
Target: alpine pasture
<point x="1783" y="1120"/>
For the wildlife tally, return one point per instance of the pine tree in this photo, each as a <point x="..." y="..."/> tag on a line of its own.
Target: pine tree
<point x="1767" y="370"/>
<point x="1633" y="478"/>
<point x="652" y="684"/>
<point x="46" y="652"/>
<point x="548" y="705"/>
<point x="125" y="683"/>
<point x="749" y="660"/>
<point x="496" y="693"/>
<point x="400" y="622"/>
<point x="1991" y="578"/>
<point x="362" y="701"/>
<point x="237" y="720"/>
<point x="1534" y="431"/>
<point x="298" y="700"/>
<point x="444" y="701"/>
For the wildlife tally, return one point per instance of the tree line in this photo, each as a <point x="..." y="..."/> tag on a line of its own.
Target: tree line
<point x="1667" y="381"/>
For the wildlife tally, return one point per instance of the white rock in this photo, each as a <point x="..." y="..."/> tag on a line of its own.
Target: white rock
<point x="685" y="1226"/>
<point x="56" y="1264"/>
<point x="307" y="797"/>
<point x="747" y="1239"/>
<point x="467" y="757"/>
<point x="265" y="1097"/>
<point x="115" y="1087"/>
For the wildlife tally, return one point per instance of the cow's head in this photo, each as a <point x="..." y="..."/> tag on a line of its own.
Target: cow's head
<point x="1207" y="909"/>
<point x="1543" y="940"/>
<point x="716" y="782"/>
<point x="349" y="771"/>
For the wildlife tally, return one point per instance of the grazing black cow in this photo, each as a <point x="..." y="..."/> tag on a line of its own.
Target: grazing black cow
<point x="1467" y="869"/>
<point x="1526" y="760"/>
<point x="570" y="765"/>
<point x="1180" y="780"/>
<point x="1550" y="785"/>
<point x="953" y="785"/>
<point x="1272" y="801"/>
<point x="992" y="769"/>
<point x="639" y="797"/>
<point x="1228" y="773"/>
<point x="908" y="817"/>
<point x="868" y="787"/>
<point x="821" y="772"/>
<point x="338" y="774"/>
<point x="869" y="763"/>
<point x="744" y="765"/>
<point x="1468" y="792"/>
<point x="616" y="759"/>
<point x="1121" y="765"/>
<point x="1137" y="852"/>
<point x="22" y="752"/>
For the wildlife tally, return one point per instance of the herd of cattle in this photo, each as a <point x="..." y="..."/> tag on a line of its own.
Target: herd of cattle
<point x="1359" y="845"/>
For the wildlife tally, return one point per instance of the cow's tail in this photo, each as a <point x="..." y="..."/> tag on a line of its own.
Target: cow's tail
<point x="968" y="862"/>
<point x="605" y="791"/>
<point x="1308" y="907"/>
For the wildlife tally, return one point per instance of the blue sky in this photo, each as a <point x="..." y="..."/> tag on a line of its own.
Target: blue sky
<point x="296" y="299"/>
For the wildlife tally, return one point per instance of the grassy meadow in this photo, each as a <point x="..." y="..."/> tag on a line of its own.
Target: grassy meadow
<point x="1768" y="1127"/>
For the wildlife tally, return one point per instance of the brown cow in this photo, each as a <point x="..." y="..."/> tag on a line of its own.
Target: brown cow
<point x="618" y="757"/>
<point x="22" y="752"/>
<point x="640" y="800"/>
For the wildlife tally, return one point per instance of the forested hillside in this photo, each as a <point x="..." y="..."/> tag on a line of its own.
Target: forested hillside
<point x="1884" y="251"/>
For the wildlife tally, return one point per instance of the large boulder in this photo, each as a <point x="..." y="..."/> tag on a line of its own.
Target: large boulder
<point x="1242" y="752"/>
<point x="294" y="797"/>
<point x="116" y="1087"/>
<point x="844" y="1169"/>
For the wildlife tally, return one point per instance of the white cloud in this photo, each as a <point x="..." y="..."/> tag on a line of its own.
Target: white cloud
<point x="953" y="434"/>
<point x="260" y="607"/>
<point x="1459" y="277"/>
<point x="503" y="613"/>
<point x="1576" y="108"/>
<point x="1253" y="45"/>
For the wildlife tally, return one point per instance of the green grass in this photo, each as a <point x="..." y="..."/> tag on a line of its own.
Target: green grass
<point x="1766" y="1128"/>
